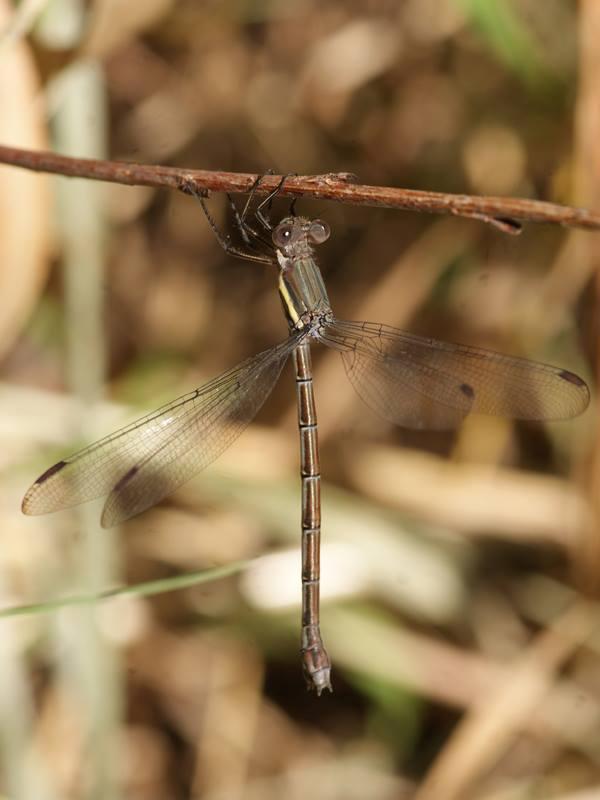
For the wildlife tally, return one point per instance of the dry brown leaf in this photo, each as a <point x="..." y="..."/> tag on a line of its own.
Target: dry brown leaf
<point x="24" y="196"/>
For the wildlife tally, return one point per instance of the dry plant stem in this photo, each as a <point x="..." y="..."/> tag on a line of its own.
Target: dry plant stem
<point x="488" y="731"/>
<point x="587" y="164"/>
<point x="502" y="212"/>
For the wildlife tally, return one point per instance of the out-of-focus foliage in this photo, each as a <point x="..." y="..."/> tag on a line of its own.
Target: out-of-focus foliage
<point x="454" y="565"/>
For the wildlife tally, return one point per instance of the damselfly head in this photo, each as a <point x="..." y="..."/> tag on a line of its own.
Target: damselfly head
<point x="292" y="229"/>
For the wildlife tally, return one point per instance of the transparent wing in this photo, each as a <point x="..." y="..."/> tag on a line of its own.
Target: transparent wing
<point x="144" y="462"/>
<point x="424" y="383"/>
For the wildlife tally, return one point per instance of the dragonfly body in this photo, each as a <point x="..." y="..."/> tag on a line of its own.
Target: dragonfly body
<point x="407" y="379"/>
<point x="306" y="306"/>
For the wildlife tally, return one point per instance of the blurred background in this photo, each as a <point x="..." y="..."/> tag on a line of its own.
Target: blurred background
<point x="460" y="570"/>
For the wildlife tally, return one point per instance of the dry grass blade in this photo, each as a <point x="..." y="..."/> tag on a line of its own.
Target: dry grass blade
<point x="484" y="735"/>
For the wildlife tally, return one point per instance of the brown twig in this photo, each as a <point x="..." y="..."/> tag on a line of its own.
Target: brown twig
<point x="502" y="212"/>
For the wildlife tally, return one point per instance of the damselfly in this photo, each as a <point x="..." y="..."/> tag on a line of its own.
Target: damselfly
<point x="409" y="380"/>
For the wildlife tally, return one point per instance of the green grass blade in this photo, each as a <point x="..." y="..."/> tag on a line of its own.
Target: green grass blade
<point x="508" y="37"/>
<point x="145" y="589"/>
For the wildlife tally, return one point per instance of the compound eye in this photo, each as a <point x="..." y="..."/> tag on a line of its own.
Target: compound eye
<point x="283" y="235"/>
<point x="319" y="231"/>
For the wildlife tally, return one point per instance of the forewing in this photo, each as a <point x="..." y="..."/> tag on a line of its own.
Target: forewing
<point x="145" y="461"/>
<point x="425" y="383"/>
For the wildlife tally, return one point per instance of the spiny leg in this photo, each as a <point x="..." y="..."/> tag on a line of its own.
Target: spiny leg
<point x="249" y="234"/>
<point x="260" y="213"/>
<point x="253" y="189"/>
<point x="244" y="227"/>
<point x="224" y="240"/>
<point x="241" y="219"/>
